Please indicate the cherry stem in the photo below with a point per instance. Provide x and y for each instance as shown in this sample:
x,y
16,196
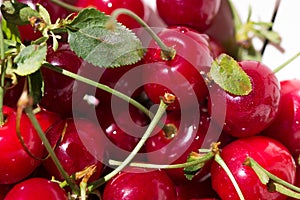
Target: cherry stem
x,y
100,86
280,67
221,162
160,112
271,27
208,156
66,5
48,147
168,53
265,176
2,70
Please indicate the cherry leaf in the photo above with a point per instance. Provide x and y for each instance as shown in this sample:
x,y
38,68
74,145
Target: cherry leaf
x,y
30,59
228,74
91,40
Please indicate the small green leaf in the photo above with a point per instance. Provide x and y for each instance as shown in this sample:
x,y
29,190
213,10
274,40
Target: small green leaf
x,y
43,13
30,59
10,31
193,170
36,86
90,39
227,73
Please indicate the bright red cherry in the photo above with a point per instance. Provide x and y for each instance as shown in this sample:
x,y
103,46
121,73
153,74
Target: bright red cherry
x,y
181,75
108,6
36,189
269,153
286,126
71,137
250,114
198,14
140,184
16,163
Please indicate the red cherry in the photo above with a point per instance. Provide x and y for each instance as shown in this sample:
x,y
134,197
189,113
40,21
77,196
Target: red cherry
x,y
36,189
249,114
71,137
198,14
60,90
181,75
286,126
269,153
16,164
108,6
140,184
46,118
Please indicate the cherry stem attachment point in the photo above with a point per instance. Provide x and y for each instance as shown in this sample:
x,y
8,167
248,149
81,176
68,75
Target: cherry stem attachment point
x,y
2,72
280,67
160,112
168,53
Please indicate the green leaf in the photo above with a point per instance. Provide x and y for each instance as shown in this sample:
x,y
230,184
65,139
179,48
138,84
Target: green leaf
x,y
17,13
10,31
36,86
193,170
30,59
227,73
90,39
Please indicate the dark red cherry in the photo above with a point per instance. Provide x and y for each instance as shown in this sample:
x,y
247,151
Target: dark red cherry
x,y
198,14
269,153
286,126
140,184
60,90
13,93
108,6
46,118
249,114
16,163
36,189
180,75
77,146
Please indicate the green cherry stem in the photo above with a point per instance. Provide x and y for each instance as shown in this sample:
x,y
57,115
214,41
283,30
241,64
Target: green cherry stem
x,y
208,156
100,86
283,65
221,162
66,5
160,112
168,53
48,147
266,177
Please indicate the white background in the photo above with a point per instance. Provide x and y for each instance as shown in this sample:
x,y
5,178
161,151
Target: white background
x,y
287,24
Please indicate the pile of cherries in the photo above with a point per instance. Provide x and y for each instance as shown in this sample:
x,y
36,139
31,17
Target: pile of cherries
x,y
88,127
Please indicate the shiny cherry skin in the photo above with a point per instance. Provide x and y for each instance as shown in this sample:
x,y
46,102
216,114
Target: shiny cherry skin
x,y
198,14
223,29
180,75
250,114
59,90
140,184
46,118
269,153
108,6
70,148
286,126
36,188
16,164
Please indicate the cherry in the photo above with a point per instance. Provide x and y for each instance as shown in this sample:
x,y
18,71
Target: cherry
x,y
108,6
196,14
140,184
269,153
36,188
70,137
124,128
180,75
16,164
60,90
286,128
46,118
223,29
250,114
12,94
